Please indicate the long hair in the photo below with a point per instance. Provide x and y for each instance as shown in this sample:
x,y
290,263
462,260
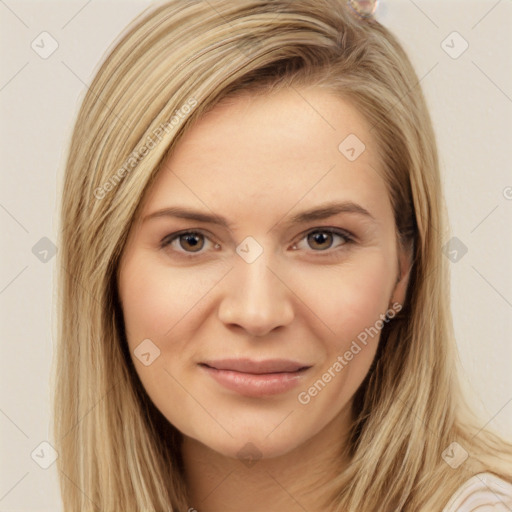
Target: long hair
x,y
175,63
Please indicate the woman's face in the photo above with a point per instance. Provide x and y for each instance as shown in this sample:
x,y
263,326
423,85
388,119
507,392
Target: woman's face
x,y
287,259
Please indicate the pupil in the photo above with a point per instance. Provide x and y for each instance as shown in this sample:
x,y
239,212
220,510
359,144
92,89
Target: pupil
x,y
192,240
321,238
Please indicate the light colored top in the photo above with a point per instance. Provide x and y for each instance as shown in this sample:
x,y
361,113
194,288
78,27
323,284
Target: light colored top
x,y
483,492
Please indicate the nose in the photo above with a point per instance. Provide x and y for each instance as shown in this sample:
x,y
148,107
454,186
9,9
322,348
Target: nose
x,y
256,298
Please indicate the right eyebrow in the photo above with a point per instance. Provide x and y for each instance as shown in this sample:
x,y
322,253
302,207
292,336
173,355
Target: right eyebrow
x,y
189,214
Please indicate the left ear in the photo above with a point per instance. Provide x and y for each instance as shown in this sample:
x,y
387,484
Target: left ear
x,y
405,258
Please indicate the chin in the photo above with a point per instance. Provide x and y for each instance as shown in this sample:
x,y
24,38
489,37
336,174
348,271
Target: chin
x,y
250,447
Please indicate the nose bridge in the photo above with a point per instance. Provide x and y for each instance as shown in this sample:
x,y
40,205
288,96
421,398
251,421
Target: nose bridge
x,y
257,278
255,298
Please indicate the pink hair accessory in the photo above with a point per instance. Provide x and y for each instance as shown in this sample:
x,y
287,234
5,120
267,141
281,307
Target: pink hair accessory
x,y
363,8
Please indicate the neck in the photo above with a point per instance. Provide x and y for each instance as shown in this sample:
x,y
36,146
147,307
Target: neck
x,y
295,481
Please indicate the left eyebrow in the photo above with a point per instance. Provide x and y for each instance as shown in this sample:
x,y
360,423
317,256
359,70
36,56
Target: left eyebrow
x,y
329,210
313,214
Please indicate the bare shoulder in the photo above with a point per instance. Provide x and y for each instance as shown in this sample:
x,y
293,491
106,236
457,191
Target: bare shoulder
x,y
481,493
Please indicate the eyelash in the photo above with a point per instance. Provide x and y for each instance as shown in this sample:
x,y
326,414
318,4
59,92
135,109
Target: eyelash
x,y
347,239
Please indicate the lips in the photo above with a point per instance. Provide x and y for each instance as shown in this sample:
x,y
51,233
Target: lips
x,y
255,379
257,367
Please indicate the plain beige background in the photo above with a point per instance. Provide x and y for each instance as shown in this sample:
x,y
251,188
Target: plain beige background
x,y
469,91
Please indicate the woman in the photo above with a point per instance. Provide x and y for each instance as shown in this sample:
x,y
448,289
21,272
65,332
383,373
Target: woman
x,y
254,310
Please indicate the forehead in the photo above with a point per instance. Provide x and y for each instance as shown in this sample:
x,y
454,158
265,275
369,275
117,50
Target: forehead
x,y
259,153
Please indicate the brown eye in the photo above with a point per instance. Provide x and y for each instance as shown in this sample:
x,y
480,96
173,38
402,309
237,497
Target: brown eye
x,y
188,244
321,239
191,242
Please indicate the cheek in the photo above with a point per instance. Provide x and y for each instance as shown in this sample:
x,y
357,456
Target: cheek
x,y
155,298
351,302
350,297
363,300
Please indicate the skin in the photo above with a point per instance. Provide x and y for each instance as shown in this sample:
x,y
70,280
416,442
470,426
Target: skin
x,y
257,161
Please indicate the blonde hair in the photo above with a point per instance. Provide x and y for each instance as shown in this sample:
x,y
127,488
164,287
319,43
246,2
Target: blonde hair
x,y
116,450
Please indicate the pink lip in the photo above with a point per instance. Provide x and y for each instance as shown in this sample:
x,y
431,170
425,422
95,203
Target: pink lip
x,y
256,378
